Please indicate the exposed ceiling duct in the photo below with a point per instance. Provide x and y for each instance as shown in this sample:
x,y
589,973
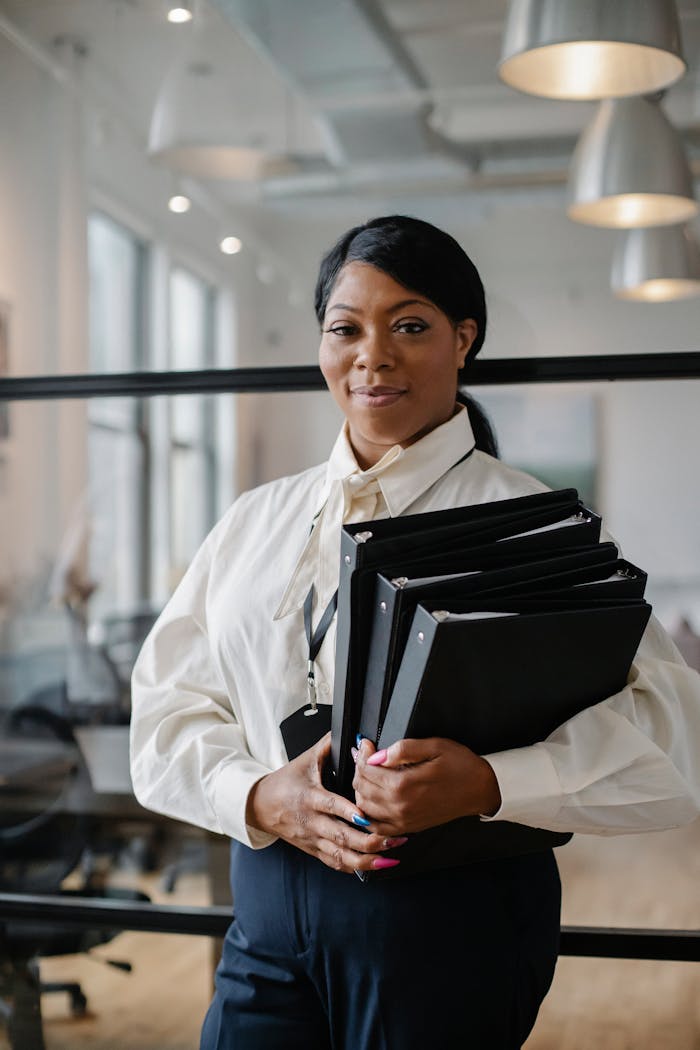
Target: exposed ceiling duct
x,y
375,108
334,51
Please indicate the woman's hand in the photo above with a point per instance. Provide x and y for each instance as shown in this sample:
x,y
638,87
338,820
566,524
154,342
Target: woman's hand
x,y
416,784
293,804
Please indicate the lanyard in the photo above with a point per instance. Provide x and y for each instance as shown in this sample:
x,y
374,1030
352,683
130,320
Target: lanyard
x,y
315,641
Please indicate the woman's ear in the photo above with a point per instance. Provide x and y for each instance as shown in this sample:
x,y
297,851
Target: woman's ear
x,y
465,334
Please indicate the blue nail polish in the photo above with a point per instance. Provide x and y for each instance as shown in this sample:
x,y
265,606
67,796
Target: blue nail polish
x,y
361,822
358,739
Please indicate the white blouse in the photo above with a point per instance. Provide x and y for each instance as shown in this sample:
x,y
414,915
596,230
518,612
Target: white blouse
x,y
226,661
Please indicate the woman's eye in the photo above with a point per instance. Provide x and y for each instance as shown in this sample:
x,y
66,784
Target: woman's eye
x,y
342,329
411,327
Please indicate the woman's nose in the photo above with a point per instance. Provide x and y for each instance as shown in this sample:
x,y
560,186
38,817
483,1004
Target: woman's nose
x,y
374,351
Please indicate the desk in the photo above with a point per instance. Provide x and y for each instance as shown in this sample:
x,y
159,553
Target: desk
x,y
107,793
25,762
106,753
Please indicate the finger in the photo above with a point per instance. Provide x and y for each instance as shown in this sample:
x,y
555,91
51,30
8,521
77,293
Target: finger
x,y
405,752
313,761
349,861
388,821
330,804
383,810
381,778
390,781
364,748
321,751
341,836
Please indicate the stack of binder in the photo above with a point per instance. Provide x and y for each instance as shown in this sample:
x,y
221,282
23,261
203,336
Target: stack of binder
x,y
490,625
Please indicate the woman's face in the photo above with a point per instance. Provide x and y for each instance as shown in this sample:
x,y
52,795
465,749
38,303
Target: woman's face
x,y
390,358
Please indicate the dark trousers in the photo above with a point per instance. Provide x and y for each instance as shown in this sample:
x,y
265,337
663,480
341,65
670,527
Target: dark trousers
x,y
316,960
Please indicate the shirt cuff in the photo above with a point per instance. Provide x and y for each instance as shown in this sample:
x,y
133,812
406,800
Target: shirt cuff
x,y
233,785
530,789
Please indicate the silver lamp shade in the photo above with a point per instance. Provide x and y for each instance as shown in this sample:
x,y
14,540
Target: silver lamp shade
x,y
656,265
194,132
591,49
629,169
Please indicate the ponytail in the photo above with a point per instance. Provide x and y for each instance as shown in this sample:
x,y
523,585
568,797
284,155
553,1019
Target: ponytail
x,y
484,433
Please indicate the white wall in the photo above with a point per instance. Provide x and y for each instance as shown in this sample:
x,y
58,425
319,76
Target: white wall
x,y
41,272
651,487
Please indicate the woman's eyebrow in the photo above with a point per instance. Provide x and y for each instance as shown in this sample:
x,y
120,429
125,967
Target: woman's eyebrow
x,y
410,302
389,309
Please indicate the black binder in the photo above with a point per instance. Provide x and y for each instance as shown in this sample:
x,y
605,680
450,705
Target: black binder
x,y
563,655
396,599
455,680
369,546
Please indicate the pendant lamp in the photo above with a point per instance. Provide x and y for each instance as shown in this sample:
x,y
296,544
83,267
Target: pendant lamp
x,y
629,169
591,49
194,131
657,264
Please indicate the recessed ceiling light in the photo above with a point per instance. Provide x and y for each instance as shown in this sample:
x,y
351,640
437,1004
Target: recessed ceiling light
x,y
230,245
180,13
179,203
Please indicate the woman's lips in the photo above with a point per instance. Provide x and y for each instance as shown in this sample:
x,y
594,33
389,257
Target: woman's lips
x,y
377,396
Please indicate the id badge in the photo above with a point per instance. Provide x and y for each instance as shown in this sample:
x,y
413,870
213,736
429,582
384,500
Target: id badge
x,y
305,728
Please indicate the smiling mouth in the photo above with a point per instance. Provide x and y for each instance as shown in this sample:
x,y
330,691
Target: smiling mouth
x,y
377,396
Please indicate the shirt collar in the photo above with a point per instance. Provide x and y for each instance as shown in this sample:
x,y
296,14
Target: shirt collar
x,y
404,474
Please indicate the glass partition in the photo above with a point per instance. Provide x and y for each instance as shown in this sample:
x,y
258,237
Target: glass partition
x,y
103,503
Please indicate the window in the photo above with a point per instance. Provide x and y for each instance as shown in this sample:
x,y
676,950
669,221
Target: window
x,y
192,421
116,512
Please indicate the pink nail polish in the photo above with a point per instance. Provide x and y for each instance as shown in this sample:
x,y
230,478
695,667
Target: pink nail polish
x,y
354,752
378,758
384,862
393,843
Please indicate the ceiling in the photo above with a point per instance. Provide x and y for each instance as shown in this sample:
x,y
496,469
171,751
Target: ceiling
x,y
355,94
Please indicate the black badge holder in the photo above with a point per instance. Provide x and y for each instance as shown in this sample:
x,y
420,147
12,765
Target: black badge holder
x,y
305,727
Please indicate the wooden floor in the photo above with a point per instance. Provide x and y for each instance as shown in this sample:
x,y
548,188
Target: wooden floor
x,y
651,880
609,1004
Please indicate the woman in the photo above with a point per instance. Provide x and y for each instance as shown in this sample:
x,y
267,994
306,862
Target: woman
x,y
315,958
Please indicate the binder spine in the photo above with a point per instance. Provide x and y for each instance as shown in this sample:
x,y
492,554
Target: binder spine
x,y
341,726
383,627
409,679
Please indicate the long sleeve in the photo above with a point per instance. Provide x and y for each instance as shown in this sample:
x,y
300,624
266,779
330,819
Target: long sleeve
x,y
189,756
628,764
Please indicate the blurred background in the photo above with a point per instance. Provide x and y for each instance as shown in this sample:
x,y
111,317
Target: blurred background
x,y
170,177
312,116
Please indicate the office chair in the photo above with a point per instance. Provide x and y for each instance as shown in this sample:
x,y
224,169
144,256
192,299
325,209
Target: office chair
x,y
121,636
41,843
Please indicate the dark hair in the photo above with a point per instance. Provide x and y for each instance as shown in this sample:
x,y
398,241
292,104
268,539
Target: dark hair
x,y
482,427
423,259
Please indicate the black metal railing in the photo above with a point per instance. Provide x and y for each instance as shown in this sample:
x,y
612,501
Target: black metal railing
x,y
92,913
296,378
